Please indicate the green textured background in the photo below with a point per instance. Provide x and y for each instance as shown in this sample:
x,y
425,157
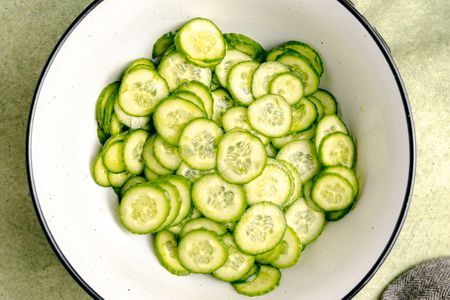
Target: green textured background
x,y
418,33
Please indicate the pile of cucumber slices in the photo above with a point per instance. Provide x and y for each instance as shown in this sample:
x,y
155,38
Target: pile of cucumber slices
x,y
231,155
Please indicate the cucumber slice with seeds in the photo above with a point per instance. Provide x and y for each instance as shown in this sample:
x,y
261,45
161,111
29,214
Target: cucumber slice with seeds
x,y
308,134
246,45
306,222
292,249
241,157
232,57
269,256
130,183
307,193
191,174
150,161
203,223
239,81
222,102
193,214
150,175
133,146
130,121
237,265
198,144
271,115
308,52
202,251
166,154
287,85
304,114
117,180
332,192
260,228
347,173
143,208
99,172
175,202
264,75
172,115
166,250
302,155
184,189
189,96
141,90
328,125
202,92
297,189
328,101
113,157
337,149
218,200
319,106
266,280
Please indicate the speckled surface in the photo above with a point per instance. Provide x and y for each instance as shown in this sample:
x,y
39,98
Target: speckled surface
x,y
418,33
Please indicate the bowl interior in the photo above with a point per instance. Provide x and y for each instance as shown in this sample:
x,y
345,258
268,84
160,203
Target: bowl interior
x,y
82,217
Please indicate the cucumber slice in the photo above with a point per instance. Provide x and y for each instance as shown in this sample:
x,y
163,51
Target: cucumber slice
x,y
237,265
308,200
166,250
308,52
107,92
274,53
303,68
109,108
198,144
113,157
150,175
273,185
237,117
99,172
292,249
201,40
215,84
304,114
308,134
130,183
266,280
141,90
175,69
241,157
337,149
117,180
138,62
328,125
264,75
260,228
193,214
334,216
166,154
297,189
116,126
202,92
271,115
270,256
175,202
332,192
239,81
191,174
189,96
102,136
172,115
347,173
287,85
143,208
218,200
133,146
222,102
319,106
328,101
150,161
232,57
271,151
202,251
306,222
246,45
162,44
203,223
302,155
184,189
130,121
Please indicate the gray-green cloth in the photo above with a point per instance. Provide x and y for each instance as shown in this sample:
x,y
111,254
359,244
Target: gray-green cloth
x,y
427,281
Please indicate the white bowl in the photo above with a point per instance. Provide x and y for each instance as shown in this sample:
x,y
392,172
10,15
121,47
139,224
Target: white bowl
x,y
80,218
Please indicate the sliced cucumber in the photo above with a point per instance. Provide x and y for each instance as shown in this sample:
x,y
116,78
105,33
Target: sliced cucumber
x,y
143,208
274,53
184,189
246,45
175,70
307,193
237,117
302,155
232,57
218,200
201,40
270,256
273,185
240,81
139,62
193,214
297,189
264,75
172,115
237,265
108,92
328,101
308,134
202,251
99,172
166,154
150,175
292,249
241,157
166,249
287,85
222,102
109,108
130,121
191,174
308,52
304,114
117,180
337,149
307,223
250,274
113,157
175,202
133,147
198,143
319,106
332,192
328,125
334,216
162,44
189,96
266,280
202,91
203,223
116,126
150,161
347,173
260,228
130,183
141,90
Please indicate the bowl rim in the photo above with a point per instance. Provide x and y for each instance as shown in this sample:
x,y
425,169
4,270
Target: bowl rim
x,y
383,47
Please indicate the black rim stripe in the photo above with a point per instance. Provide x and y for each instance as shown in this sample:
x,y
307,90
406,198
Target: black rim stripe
x,y
383,48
